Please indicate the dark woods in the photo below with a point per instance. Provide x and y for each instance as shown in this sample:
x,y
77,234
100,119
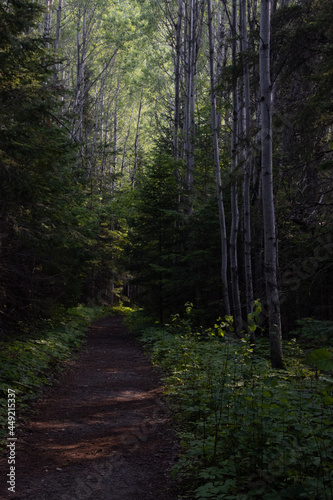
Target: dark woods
x,y
131,159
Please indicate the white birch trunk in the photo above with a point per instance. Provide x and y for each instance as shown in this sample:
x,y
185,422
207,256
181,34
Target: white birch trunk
x,y
47,21
126,140
247,163
177,80
223,231
136,144
234,189
190,106
57,41
270,237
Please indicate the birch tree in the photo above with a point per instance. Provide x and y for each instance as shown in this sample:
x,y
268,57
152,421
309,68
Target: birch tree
x,y
136,144
178,50
270,236
57,40
234,187
223,230
247,157
194,12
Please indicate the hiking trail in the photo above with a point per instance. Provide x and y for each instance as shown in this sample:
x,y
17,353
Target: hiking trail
x,y
103,432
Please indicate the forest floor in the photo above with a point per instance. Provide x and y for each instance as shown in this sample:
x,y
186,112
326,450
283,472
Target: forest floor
x,y
103,432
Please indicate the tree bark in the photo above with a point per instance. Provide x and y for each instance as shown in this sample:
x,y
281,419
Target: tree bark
x,y
177,81
126,140
223,230
190,104
234,189
247,158
270,237
136,144
47,21
57,41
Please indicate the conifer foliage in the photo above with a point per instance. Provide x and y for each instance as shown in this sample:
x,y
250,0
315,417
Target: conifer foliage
x,y
46,225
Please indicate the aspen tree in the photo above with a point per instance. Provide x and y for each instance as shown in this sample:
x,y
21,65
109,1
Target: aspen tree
x,y
136,144
47,21
194,12
57,39
190,100
177,79
234,186
223,230
247,159
270,236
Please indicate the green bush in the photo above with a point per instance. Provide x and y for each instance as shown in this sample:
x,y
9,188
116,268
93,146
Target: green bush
x,y
314,332
247,430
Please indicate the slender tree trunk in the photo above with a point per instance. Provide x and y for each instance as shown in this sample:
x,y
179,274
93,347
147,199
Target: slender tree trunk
x,y
57,41
247,162
98,107
79,93
177,80
221,45
223,231
47,21
270,237
105,135
82,74
234,188
136,144
126,140
190,103
115,135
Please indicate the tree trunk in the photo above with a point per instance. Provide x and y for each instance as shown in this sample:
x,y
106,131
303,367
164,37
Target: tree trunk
x,y
223,231
126,140
177,81
79,93
270,238
247,157
47,21
234,189
115,137
136,144
190,103
57,41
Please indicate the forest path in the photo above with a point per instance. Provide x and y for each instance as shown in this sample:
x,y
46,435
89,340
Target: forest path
x,y
103,433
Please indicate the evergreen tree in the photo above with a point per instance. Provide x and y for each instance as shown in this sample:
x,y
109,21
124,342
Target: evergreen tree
x,y
40,253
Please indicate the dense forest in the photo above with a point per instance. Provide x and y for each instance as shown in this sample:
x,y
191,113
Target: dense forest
x,y
167,152
176,156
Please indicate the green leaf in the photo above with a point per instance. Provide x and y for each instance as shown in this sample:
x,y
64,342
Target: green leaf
x,y
271,382
321,359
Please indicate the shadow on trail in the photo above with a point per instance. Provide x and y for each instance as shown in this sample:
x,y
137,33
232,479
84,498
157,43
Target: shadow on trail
x,y
103,433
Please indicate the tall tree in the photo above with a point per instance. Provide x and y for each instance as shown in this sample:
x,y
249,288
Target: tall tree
x,y
177,70
246,156
234,184
270,236
194,12
223,229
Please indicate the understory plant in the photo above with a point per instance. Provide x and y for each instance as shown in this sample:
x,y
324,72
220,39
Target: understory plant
x,y
247,430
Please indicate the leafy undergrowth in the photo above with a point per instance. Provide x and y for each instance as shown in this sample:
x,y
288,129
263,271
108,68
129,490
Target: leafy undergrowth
x,y
247,430
27,362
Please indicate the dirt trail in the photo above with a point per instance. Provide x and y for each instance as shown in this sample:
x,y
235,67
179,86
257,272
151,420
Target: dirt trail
x,y
103,433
